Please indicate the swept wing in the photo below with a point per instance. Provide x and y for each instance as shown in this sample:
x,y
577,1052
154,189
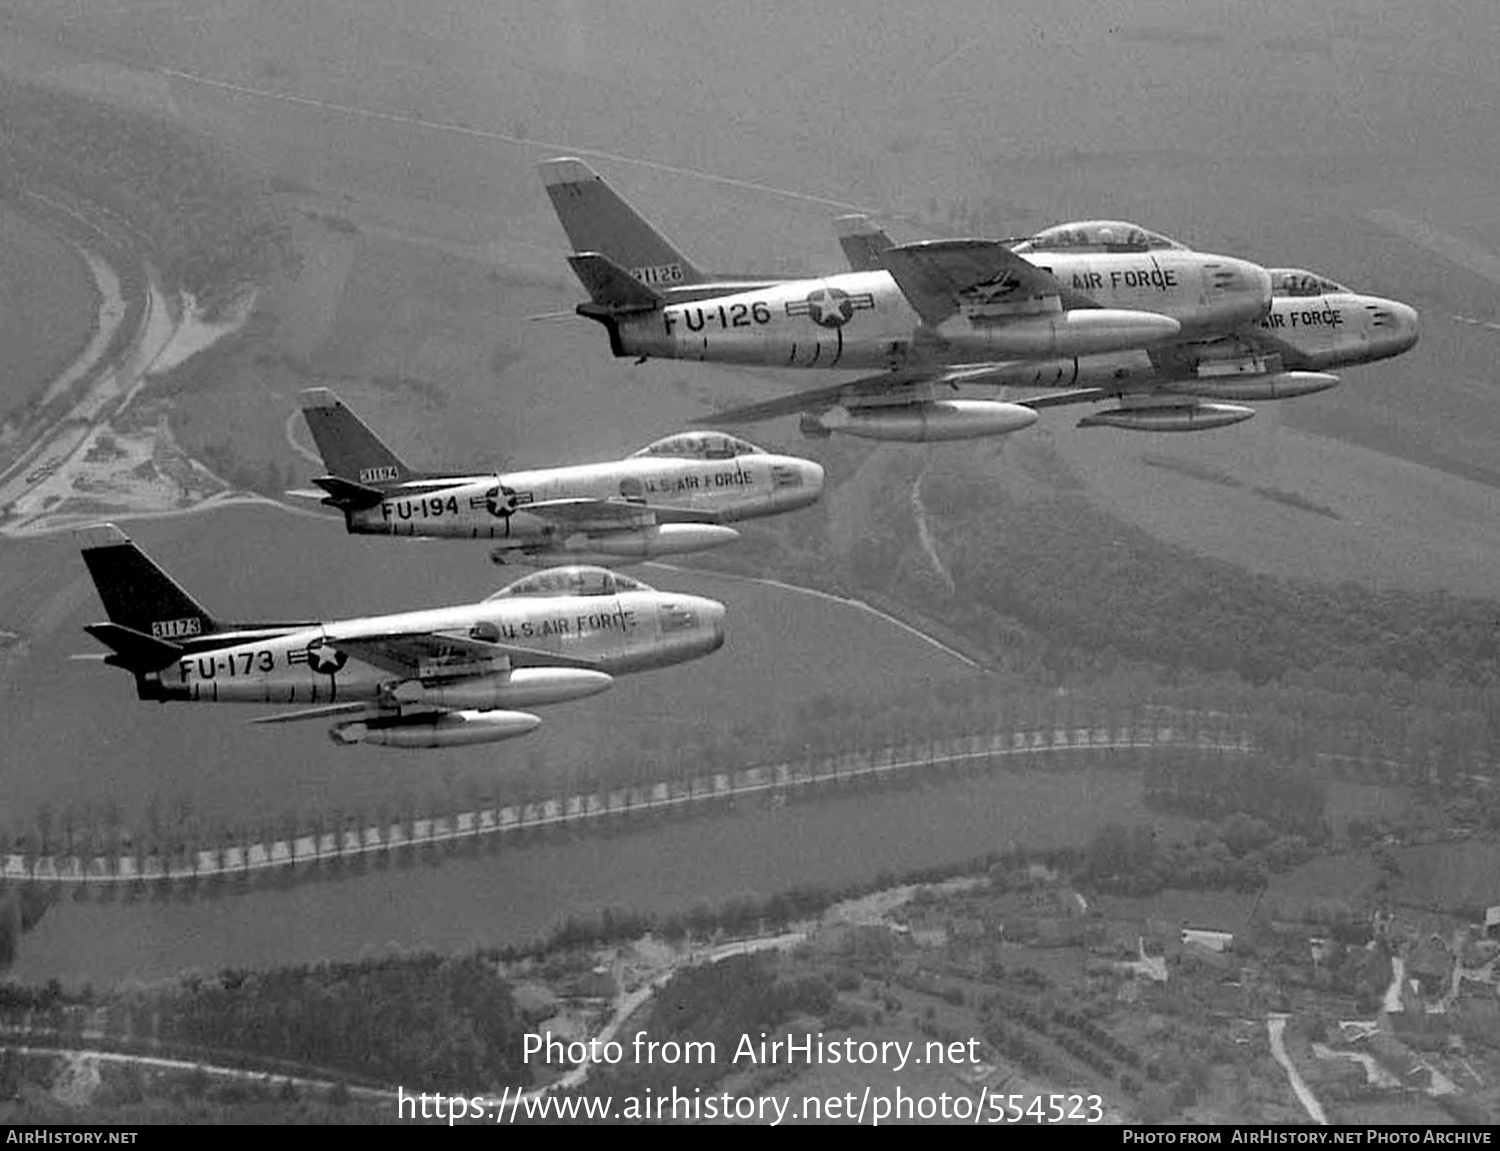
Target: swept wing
x,y
425,654
897,386
941,277
577,514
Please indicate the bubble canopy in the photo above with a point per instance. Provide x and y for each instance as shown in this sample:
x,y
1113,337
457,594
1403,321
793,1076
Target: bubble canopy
x,y
1098,236
575,579
701,446
1299,282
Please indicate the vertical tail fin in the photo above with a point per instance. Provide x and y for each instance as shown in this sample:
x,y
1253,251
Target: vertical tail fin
x,y
138,595
862,242
598,219
350,450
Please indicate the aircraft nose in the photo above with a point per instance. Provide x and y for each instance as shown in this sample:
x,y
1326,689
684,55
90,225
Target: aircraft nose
x,y
1408,323
713,612
812,478
1260,282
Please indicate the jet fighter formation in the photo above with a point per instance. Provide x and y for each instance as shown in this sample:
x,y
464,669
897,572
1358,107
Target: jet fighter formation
x,y
1098,311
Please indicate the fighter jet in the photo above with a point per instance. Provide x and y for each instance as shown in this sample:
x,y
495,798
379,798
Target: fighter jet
x,y
1314,324
672,497
443,677
935,313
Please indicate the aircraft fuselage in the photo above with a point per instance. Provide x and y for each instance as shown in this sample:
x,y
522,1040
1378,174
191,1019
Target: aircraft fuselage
x,y
862,320
494,507
1312,333
624,632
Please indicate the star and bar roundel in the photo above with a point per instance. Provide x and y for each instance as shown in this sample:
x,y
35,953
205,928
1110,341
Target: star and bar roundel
x,y
830,307
321,656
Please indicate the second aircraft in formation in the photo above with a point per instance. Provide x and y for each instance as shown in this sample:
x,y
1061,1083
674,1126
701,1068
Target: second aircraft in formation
x,y
670,498
1096,311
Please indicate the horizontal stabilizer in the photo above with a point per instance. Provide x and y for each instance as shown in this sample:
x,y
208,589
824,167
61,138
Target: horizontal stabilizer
x,y
611,287
133,650
347,495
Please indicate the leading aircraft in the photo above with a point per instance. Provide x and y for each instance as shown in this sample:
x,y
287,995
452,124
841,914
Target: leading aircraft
x,y
671,497
443,677
935,313
1313,325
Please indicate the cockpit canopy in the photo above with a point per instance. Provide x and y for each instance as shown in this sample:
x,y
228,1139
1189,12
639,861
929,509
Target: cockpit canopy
x,y
701,446
1296,282
575,579
1097,236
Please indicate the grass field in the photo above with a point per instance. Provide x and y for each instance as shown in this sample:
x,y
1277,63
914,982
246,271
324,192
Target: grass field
x,y
47,306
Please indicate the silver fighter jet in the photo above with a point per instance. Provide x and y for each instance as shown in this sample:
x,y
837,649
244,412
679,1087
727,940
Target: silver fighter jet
x,y
931,315
1313,325
443,677
672,497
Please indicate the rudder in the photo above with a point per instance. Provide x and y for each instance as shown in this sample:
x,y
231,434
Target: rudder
x,y
598,219
350,450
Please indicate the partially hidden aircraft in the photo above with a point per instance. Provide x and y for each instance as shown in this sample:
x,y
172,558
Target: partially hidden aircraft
x,y
933,314
442,677
1313,325
672,497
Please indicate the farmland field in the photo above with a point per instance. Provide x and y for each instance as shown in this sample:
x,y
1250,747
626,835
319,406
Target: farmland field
x,y
47,306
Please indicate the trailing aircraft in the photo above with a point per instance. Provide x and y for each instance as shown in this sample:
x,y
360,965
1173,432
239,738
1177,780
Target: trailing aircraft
x,y
671,497
443,677
934,314
1313,325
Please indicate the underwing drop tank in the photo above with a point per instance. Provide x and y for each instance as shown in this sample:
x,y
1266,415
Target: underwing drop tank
x,y
643,544
1265,386
520,687
451,729
924,422
1181,418
1079,332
